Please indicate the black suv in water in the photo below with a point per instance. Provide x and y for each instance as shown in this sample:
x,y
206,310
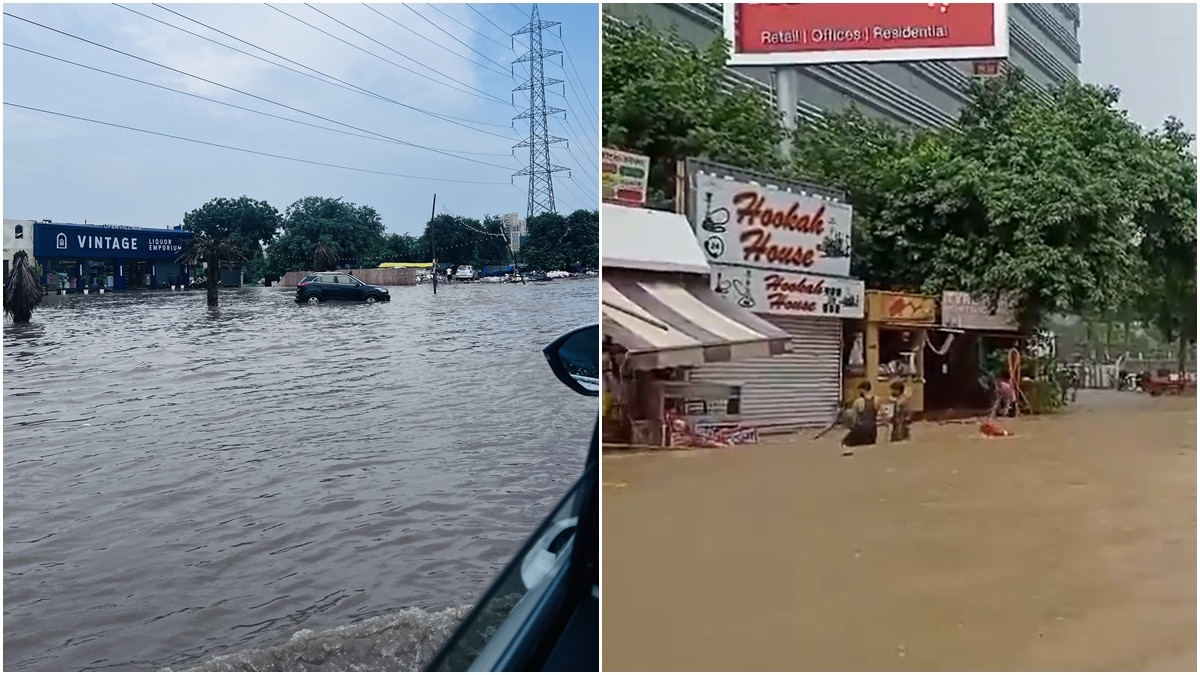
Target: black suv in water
x,y
325,286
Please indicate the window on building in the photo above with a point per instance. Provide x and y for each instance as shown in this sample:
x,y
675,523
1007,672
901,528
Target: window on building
x,y
19,232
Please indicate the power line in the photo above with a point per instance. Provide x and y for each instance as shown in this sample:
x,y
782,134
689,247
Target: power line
x,y
474,92
571,62
245,93
487,19
390,49
252,152
458,121
235,106
435,8
579,135
448,34
439,45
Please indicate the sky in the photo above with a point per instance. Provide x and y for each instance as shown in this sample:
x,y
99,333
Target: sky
x,y
68,170
1148,51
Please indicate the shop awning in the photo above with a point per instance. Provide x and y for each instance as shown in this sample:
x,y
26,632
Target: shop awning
x,y
679,322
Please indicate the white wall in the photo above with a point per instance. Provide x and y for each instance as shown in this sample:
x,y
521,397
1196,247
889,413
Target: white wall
x,y
12,244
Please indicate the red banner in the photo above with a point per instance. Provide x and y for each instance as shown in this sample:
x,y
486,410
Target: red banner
x,y
832,32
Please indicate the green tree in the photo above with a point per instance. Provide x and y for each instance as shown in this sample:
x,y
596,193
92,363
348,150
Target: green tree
x,y
666,99
349,231
556,242
226,231
1026,196
404,248
542,249
466,241
324,259
1166,232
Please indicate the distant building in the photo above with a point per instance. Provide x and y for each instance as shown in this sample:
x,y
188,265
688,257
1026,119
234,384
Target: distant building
x,y
514,229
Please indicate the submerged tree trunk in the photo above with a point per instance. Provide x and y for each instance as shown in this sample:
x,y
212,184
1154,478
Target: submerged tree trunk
x,y
212,279
22,290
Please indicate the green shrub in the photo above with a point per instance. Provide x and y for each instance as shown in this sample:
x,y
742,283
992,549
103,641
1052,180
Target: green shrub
x,y
1044,397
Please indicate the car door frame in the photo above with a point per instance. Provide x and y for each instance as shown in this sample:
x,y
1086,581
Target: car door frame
x,y
536,631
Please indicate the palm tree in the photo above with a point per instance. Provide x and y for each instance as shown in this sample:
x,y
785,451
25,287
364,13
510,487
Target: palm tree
x,y
324,259
22,292
212,252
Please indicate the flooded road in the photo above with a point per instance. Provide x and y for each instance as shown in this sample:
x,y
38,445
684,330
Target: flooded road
x,y
181,483
1071,546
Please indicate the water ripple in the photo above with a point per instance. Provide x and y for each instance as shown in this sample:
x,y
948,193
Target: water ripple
x,y
184,483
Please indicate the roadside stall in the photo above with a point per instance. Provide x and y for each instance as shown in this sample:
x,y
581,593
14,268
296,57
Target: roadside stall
x,y
889,345
660,322
956,361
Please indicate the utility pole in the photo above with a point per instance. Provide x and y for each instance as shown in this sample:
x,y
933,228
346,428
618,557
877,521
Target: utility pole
x,y
540,170
433,243
786,94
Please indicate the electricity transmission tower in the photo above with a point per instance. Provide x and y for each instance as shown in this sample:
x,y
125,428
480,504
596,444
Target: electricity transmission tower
x,y
540,170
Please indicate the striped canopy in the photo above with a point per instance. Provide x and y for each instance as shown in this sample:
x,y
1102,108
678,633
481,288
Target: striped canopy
x,y
673,321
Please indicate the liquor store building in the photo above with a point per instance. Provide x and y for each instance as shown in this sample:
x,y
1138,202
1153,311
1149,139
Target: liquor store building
x,y
75,257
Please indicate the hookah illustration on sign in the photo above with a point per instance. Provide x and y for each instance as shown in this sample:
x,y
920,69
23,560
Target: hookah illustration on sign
x,y
723,286
714,221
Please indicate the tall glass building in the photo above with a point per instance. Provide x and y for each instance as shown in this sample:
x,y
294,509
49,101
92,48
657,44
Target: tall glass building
x,y
1043,38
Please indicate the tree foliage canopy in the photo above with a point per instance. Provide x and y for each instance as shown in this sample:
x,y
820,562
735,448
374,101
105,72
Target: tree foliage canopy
x,y
557,242
1041,198
229,230
668,100
465,241
347,230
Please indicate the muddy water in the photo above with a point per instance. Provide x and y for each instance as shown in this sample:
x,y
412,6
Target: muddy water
x,y
181,484
1071,546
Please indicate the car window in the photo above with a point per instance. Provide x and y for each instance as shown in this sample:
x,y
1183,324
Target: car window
x,y
515,592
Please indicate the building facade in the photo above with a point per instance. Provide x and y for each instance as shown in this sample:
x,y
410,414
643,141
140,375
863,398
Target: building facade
x,y
74,257
18,236
1043,37
514,229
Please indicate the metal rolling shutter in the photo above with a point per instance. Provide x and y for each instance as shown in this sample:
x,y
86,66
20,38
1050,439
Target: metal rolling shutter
x,y
800,389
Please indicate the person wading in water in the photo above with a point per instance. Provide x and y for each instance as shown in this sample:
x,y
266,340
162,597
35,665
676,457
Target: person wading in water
x,y
864,425
901,413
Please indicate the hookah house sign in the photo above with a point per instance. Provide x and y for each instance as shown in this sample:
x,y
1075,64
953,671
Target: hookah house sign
x,y
755,226
777,252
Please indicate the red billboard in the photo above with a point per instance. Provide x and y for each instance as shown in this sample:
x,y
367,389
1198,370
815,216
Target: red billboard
x,y
815,33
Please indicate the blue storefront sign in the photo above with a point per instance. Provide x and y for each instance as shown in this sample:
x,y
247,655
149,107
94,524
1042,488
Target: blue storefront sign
x,y
60,240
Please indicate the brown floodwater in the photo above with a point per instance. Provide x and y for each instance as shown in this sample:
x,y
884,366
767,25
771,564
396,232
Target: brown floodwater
x,y
1070,546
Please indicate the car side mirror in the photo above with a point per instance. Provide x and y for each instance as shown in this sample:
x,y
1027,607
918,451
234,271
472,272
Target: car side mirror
x,y
574,357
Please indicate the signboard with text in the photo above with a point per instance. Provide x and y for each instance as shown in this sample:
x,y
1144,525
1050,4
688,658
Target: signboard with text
x,y
54,240
789,293
960,310
805,33
902,308
623,177
746,224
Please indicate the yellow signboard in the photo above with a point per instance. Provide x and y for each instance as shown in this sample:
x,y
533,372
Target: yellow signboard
x,y
890,307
